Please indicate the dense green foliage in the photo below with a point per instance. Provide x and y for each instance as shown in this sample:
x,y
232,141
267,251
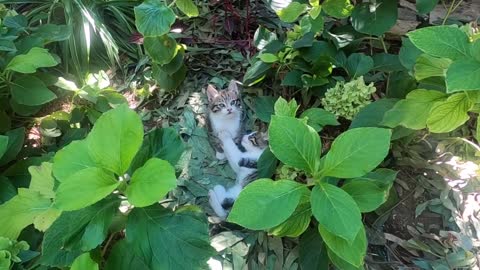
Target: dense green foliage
x,y
104,161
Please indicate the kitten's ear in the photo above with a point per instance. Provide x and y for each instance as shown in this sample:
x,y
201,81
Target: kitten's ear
x,y
232,86
265,136
211,92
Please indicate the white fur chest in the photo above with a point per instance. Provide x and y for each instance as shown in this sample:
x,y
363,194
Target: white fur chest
x,y
223,123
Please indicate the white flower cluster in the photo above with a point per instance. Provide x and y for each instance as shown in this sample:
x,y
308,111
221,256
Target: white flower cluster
x,y
346,99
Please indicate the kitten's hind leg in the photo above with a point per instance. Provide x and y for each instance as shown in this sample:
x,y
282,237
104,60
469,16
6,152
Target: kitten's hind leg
x,y
216,197
220,156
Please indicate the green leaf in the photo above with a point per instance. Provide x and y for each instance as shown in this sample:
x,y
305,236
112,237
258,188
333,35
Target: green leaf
x,y
17,22
187,7
426,6
84,262
15,143
31,91
359,64
342,264
285,108
42,179
448,115
313,252
121,258
268,58
293,78
176,63
267,164
84,188
372,114
3,145
375,18
336,211
52,32
21,211
151,182
441,41
153,18
298,222
291,12
428,66
168,81
262,37
408,54
162,143
356,152
318,118
115,139
162,49
255,73
413,111
253,208
387,62
264,108
8,191
71,159
459,76
383,178
184,238
75,232
29,62
294,143
366,194
337,8
353,253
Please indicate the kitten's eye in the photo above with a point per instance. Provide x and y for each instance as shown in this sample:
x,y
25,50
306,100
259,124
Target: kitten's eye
x,y
253,141
233,102
221,105
237,101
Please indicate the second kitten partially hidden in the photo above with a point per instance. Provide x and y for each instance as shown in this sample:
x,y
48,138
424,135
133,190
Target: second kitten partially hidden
x,y
225,114
243,163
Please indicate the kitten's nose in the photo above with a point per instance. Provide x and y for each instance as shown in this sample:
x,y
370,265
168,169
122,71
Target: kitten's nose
x,y
229,110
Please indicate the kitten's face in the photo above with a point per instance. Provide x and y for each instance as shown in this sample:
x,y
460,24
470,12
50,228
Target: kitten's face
x,y
255,141
226,103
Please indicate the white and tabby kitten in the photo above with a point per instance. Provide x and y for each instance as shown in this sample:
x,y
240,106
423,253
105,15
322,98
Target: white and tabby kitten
x,y
244,163
225,113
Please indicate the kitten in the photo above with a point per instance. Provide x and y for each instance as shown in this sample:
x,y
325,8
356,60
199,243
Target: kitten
x,y
243,163
225,113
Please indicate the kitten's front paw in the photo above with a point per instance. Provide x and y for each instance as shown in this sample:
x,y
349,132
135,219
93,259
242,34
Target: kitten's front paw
x,y
220,156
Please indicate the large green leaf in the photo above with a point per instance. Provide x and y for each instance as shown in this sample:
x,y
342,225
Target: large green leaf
x,y
313,252
294,143
441,41
3,145
318,118
425,6
84,188
187,7
284,108
29,62
75,232
264,108
153,18
151,182
31,91
121,258
84,262
256,73
163,239
262,37
353,252
340,263
336,211
337,8
413,111
162,143
162,49
298,222
428,66
291,12
450,114
459,76
408,54
115,139
359,64
21,211
253,208
267,164
71,159
15,143
372,114
356,152
168,81
52,32
375,18
366,194
387,62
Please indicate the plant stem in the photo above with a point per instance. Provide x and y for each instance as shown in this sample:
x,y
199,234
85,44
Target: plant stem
x,y
451,9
